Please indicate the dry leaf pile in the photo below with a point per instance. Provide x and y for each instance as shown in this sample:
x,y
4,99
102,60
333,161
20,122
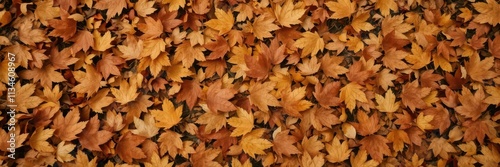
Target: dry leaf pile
x,y
249,82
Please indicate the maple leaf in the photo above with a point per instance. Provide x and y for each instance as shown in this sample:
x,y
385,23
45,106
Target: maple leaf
x,y
218,98
331,66
307,160
260,96
127,149
66,128
170,142
418,58
367,125
287,15
82,160
398,138
283,144
490,157
145,128
360,22
309,66
486,10
337,152
157,161
341,8
223,23
213,121
393,59
310,43
275,52
83,41
312,146
108,65
126,93
144,7
113,7
263,25
495,95
441,147
30,35
64,28
151,28
376,146
27,101
384,78
219,48
153,48
100,100
472,104
45,10
479,129
412,96
91,137
258,66
351,93
324,94
190,92
441,118
63,152
46,75
170,115
387,103
102,43
38,140
292,102
385,6
480,70
360,159
174,4
187,54
252,143
205,157
423,121
243,123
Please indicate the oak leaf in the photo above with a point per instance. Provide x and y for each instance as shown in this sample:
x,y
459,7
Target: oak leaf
x,y
170,115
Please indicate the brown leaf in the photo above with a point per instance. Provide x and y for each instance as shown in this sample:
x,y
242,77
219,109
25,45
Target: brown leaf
x,y
91,137
127,147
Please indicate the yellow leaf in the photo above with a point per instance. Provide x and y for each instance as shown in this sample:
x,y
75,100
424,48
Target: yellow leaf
x,y
385,6
309,66
418,58
174,4
187,54
478,69
102,43
236,163
263,25
469,148
310,43
25,100
385,78
495,95
348,130
440,61
398,138
63,152
287,15
177,71
126,93
223,23
359,22
38,140
252,144
387,104
170,115
307,160
490,157
45,11
341,8
243,123
100,100
423,122
352,92
359,160
261,97
212,120
144,7
156,161
292,102
145,126
337,152
488,12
